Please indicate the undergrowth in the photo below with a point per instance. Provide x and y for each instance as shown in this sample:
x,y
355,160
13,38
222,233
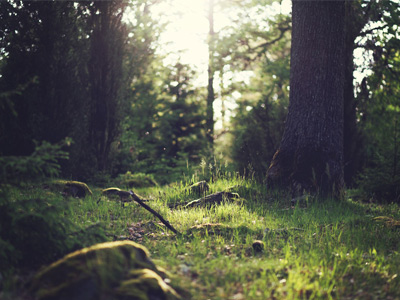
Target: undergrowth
x,y
314,250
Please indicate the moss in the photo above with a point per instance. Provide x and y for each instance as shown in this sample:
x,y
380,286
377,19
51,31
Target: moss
x,y
98,272
145,284
71,188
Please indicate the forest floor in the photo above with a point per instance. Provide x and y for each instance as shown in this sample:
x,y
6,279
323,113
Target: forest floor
x,y
312,250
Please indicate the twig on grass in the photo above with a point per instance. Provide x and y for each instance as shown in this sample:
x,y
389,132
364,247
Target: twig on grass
x,y
141,203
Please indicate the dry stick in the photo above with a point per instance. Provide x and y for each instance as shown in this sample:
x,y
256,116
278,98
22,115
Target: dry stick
x,y
140,201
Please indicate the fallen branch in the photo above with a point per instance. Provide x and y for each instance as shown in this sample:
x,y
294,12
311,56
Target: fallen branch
x,y
141,203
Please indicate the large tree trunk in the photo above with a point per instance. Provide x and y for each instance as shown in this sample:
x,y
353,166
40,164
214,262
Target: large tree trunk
x,y
310,157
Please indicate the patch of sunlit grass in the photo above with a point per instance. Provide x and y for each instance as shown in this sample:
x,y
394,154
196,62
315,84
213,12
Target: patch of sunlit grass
x,y
320,250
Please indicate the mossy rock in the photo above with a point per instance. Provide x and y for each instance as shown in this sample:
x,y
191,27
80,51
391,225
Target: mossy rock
x,y
258,246
112,271
71,188
116,192
144,284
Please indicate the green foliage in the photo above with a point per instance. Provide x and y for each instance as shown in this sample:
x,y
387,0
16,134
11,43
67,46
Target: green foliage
x,y
321,249
378,183
379,110
259,122
258,134
34,229
54,57
164,127
42,63
262,49
43,162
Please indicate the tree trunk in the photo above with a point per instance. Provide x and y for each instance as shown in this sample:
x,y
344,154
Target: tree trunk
x,y
210,88
105,71
310,157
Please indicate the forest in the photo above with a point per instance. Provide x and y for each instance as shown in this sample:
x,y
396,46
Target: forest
x,y
265,167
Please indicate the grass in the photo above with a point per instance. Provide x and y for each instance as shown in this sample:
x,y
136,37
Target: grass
x,y
318,250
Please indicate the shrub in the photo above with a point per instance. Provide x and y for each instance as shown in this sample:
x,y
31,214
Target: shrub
x,y
34,231
379,184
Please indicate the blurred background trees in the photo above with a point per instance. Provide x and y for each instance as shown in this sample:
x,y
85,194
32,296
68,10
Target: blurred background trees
x,y
96,72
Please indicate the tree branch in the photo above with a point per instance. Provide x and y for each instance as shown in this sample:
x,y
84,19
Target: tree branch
x,y
364,33
269,43
141,203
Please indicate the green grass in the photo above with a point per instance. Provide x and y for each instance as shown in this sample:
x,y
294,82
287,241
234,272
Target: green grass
x,y
328,250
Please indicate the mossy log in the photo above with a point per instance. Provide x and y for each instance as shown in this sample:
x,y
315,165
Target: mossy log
x,y
113,270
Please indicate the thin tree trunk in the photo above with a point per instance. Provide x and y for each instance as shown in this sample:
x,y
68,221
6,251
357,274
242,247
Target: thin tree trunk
x,y
211,71
310,157
105,70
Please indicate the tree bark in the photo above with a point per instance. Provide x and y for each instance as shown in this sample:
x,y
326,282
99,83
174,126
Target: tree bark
x,y
106,72
310,157
211,71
